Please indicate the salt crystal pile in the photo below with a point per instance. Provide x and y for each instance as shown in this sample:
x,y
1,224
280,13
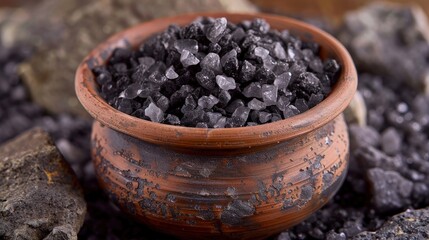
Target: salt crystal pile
x,y
216,74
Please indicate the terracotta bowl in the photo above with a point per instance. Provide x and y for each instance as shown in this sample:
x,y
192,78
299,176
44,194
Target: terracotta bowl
x,y
246,183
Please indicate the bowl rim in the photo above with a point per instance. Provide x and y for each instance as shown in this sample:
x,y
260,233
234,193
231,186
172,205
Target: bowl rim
x,y
220,138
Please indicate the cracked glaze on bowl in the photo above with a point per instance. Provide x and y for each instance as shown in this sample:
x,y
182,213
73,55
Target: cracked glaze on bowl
x,y
246,183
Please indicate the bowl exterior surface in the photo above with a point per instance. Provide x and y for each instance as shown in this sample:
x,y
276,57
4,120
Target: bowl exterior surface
x,y
244,193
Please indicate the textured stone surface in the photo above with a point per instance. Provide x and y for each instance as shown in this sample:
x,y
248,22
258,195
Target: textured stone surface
x,y
39,193
411,224
81,25
390,40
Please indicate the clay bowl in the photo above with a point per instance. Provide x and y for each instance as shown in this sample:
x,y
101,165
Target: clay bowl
x,y
246,183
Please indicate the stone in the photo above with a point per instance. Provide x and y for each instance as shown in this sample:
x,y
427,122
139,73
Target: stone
x,y
225,83
363,136
49,73
371,36
40,194
390,191
269,94
211,61
216,29
188,59
391,141
170,73
370,157
411,224
154,113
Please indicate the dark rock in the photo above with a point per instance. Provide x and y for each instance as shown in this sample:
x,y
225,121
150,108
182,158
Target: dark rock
x,y
370,36
391,141
390,190
411,224
40,195
370,157
363,136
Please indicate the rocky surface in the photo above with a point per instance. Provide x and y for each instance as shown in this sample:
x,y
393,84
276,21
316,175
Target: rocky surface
x,y
411,224
380,36
40,195
49,73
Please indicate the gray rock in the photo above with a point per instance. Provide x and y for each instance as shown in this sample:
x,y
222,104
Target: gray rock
x,y
390,40
391,141
363,136
390,191
40,196
81,25
370,157
411,224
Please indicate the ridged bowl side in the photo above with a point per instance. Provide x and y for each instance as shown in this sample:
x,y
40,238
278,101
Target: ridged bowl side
x,y
245,193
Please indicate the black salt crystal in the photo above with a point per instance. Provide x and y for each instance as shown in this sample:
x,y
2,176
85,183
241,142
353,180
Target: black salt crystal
x,y
331,66
255,104
224,98
264,75
216,29
207,102
278,51
260,25
120,67
276,117
282,102
132,91
193,31
290,111
154,113
211,61
188,59
172,119
316,65
247,71
234,105
264,117
250,40
269,94
148,89
120,55
225,82
190,104
301,105
124,105
212,118
315,99
201,125
238,34
282,80
179,96
163,103
253,90
220,123
170,73
214,48
190,45
229,62
240,115
308,82
206,78
191,118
